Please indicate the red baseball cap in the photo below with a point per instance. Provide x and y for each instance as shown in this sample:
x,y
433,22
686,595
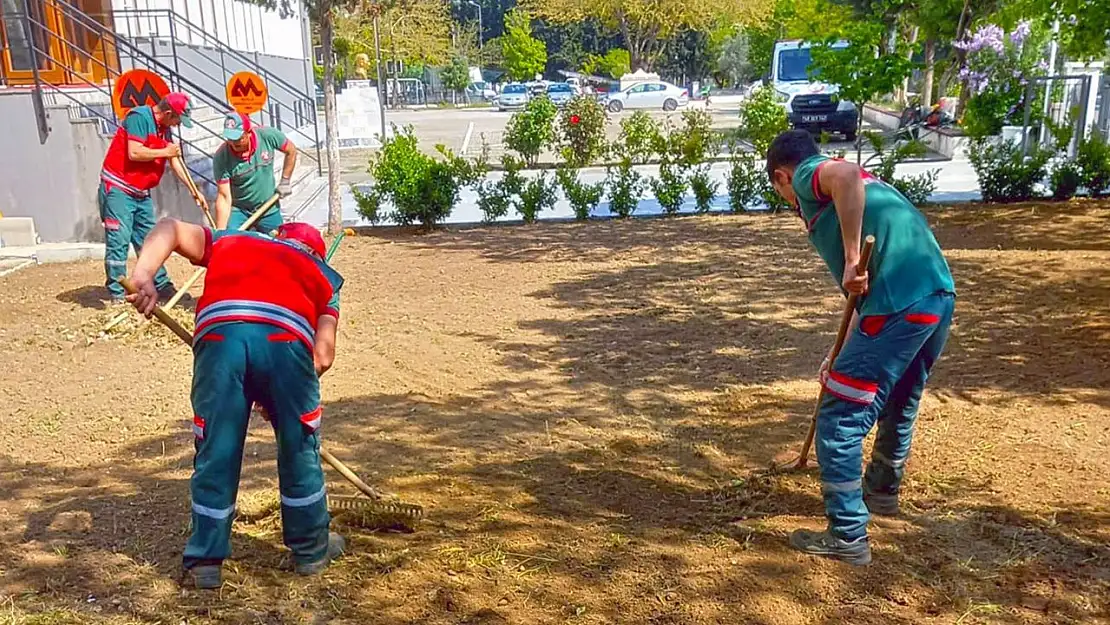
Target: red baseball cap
x,y
179,103
304,234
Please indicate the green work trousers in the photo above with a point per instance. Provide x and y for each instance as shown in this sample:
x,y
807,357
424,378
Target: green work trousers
x,y
236,364
127,222
266,225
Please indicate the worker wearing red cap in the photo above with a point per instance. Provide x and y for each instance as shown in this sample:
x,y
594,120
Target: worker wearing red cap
x,y
244,170
134,165
265,332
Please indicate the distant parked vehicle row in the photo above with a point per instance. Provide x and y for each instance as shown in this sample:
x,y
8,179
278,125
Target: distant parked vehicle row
x,y
646,95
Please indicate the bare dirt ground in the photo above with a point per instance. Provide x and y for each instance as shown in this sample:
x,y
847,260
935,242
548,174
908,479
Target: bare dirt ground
x,y
585,410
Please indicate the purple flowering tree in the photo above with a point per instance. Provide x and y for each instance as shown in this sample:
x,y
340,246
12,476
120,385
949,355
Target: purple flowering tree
x,y
997,69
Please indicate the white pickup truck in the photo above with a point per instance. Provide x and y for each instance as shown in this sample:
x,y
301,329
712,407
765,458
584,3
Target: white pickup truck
x,y
810,104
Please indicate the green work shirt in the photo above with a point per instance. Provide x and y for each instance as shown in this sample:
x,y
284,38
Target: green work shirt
x,y
906,261
251,175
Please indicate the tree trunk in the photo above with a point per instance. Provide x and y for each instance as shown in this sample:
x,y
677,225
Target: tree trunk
x,y
930,70
905,96
961,56
331,118
396,78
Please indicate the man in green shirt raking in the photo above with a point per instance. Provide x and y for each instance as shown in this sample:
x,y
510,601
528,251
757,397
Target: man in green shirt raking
x,y
244,170
898,331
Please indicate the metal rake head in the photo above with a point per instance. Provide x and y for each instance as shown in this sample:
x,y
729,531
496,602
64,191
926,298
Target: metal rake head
x,y
363,504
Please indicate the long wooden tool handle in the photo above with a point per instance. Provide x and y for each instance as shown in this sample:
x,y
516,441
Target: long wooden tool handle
x,y
841,337
162,315
195,191
256,215
368,490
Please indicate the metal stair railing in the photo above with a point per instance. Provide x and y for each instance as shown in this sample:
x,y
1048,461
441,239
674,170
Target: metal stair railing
x,y
108,122
152,63
176,24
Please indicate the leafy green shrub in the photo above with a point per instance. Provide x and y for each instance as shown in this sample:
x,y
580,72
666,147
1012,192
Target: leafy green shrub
x,y
692,142
1005,175
1066,178
531,130
762,119
669,187
746,182
705,189
1093,159
540,194
421,188
495,199
916,188
582,131
583,197
640,134
625,187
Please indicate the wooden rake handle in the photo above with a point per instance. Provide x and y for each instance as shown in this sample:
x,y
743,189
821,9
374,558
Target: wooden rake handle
x,y
366,489
162,315
195,191
841,337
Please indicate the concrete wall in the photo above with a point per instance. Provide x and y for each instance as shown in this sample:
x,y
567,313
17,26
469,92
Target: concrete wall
x,y
55,183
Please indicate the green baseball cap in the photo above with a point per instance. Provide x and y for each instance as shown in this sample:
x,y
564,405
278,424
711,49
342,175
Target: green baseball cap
x,y
235,125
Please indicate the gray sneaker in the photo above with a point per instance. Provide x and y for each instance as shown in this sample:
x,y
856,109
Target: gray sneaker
x,y
856,552
882,505
207,576
336,546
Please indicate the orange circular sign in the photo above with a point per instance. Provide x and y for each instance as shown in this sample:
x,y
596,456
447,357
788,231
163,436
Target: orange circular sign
x,y
246,93
137,87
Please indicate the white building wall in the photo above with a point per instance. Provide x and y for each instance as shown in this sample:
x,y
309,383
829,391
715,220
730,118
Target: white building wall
x,y
240,25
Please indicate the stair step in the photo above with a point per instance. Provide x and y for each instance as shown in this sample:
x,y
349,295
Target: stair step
x,y
18,232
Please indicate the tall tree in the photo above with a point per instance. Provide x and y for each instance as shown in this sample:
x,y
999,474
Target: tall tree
x,y
322,12
794,19
864,70
525,56
647,24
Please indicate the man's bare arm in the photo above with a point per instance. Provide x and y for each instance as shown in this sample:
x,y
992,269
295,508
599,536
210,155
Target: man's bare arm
x,y
323,354
842,182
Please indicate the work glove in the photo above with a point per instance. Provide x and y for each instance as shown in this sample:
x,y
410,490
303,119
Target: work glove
x,y
285,189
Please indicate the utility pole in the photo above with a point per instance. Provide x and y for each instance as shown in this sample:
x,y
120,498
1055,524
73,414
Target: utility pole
x,y
378,61
479,7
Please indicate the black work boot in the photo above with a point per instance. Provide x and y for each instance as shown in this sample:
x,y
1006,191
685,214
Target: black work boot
x,y
880,504
336,546
856,552
207,576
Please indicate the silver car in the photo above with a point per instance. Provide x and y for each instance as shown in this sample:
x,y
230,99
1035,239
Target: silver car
x,y
513,96
560,93
654,94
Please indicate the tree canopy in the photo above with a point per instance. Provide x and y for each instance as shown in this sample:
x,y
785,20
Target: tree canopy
x,y
525,56
647,24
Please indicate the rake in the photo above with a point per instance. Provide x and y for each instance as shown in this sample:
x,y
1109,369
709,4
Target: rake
x,y
841,335
379,503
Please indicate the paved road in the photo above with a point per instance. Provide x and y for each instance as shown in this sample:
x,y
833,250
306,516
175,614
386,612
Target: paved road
x,y
464,130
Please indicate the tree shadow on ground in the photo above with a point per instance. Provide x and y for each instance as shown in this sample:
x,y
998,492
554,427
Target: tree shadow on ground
x,y
94,297
695,307
596,510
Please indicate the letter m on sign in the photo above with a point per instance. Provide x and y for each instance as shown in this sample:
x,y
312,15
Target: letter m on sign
x,y
241,89
133,96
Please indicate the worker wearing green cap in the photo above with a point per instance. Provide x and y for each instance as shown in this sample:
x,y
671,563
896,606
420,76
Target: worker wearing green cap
x,y
244,171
